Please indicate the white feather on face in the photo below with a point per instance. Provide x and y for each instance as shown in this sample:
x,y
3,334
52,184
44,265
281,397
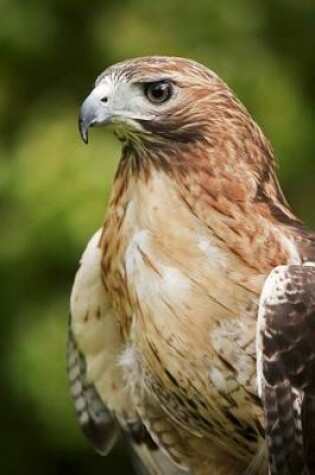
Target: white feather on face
x,y
126,100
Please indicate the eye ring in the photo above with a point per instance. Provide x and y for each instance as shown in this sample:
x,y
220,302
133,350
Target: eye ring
x,y
158,92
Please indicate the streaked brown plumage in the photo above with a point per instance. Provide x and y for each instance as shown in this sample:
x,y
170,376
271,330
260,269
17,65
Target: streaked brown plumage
x,y
164,307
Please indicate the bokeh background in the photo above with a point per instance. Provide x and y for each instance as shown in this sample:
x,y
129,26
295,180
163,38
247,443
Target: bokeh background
x,y
53,189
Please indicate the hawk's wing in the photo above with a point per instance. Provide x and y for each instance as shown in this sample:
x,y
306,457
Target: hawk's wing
x,y
286,368
100,397
95,419
93,345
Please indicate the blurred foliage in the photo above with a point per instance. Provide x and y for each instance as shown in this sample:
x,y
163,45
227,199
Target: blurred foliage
x,y
53,189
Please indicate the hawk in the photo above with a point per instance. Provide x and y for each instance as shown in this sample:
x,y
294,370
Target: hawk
x,y
192,327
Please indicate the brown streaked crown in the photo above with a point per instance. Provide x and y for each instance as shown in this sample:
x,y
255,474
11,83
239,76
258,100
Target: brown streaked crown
x,y
148,67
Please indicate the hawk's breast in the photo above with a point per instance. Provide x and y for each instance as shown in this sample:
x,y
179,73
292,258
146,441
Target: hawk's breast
x,y
185,305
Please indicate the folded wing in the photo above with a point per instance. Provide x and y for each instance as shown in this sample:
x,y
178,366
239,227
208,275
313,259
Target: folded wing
x,y
286,368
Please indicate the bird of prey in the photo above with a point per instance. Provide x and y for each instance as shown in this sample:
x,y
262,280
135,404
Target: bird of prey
x,y
192,328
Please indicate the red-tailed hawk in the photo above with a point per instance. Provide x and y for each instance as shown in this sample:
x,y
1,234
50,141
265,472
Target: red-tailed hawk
x,y
192,325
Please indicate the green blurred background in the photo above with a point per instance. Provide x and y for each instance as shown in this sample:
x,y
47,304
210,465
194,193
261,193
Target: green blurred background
x,y
54,189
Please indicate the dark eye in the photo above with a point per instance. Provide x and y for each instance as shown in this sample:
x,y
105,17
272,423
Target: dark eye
x,y
158,92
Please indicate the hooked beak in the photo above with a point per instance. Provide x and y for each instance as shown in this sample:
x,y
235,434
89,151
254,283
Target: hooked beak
x,y
94,111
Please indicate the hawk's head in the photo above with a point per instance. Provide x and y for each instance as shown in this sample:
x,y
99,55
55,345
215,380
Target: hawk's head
x,y
173,110
151,96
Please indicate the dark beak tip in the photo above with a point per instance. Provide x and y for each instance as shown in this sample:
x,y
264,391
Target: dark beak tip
x,y
85,138
83,129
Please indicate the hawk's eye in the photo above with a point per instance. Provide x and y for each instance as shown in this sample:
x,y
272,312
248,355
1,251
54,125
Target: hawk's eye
x,y
158,92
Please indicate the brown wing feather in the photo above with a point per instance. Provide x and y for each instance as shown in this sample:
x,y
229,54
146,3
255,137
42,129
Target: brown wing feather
x,y
286,368
95,419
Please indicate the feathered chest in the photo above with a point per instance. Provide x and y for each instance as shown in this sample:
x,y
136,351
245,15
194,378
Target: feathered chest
x,y
186,300
168,273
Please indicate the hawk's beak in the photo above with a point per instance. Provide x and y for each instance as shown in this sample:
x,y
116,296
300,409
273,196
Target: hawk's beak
x,y
94,111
